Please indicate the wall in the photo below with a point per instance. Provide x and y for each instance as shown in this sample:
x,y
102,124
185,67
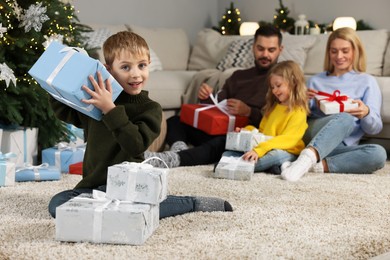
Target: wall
x,y
190,15
375,13
193,15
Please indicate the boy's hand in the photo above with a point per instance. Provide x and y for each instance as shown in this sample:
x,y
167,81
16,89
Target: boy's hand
x,y
102,96
204,91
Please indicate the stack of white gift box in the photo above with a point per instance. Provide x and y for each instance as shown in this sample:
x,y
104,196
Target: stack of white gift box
x,y
128,213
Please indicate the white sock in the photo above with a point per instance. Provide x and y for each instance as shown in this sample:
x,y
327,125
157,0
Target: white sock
x,y
285,165
300,166
172,159
318,168
178,146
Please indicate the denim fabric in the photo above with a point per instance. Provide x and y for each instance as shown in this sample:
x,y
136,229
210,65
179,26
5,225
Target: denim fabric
x,y
326,135
172,206
270,160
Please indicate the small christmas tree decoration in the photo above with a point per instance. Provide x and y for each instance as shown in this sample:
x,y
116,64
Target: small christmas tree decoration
x,y
26,29
282,20
231,21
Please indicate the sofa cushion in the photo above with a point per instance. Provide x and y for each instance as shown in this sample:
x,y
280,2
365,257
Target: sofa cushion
x,y
240,54
374,41
213,50
171,45
167,87
100,33
386,62
210,47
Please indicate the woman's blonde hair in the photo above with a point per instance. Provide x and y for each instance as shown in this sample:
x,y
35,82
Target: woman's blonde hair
x,y
124,41
292,73
359,57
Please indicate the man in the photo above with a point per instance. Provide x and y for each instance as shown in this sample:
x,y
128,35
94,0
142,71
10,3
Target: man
x,y
245,92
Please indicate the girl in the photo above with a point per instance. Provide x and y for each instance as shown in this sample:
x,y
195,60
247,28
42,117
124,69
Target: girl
x,y
284,118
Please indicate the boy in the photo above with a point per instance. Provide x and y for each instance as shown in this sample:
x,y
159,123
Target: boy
x,y
128,126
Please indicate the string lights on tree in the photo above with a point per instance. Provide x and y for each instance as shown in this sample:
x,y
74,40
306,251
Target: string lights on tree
x,y
230,22
26,28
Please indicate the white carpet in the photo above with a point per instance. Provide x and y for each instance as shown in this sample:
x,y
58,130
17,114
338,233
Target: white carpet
x,y
323,216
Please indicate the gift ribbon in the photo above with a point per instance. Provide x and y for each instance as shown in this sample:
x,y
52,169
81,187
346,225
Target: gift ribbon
x,y
37,175
334,97
222,106
100,196
70,51
159,175
6,156
63,146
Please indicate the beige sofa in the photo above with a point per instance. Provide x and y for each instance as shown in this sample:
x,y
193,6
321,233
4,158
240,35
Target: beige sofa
x,y
179,67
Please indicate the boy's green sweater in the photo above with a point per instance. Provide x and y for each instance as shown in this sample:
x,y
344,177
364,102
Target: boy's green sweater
x,y
123,134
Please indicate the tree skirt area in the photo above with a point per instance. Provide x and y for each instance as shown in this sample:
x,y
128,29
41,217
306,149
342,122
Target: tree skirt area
x,y
322,216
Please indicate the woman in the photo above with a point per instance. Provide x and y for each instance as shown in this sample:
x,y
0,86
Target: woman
x,y
333,141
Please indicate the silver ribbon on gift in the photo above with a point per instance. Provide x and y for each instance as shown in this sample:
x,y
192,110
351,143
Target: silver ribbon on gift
x,y
100,196
70,51
7,156
37,175
63,146
222,106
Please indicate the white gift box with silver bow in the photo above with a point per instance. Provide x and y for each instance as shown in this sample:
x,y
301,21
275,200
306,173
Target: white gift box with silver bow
x,y
23,142
244,140
63,70
137,182
234,168
97,219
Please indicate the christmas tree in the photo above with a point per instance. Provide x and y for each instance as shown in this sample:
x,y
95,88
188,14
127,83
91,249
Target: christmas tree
x,y
231,21
282,20
27,27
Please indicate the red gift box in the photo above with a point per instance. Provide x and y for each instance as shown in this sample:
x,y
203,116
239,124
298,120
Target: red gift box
x,y
76,168
210,119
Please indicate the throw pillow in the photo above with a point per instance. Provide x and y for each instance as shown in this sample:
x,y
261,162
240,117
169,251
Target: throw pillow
x,y
96,38
239,54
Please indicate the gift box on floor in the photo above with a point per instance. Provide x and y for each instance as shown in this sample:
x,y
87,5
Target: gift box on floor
x,y
234,168
62,71
99,220
63,155
7,170
210,118
76,168
42,172
334,103
23,142
244,140
137,182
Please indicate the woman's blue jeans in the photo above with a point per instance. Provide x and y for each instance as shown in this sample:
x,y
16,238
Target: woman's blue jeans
x,y
171,206
326,135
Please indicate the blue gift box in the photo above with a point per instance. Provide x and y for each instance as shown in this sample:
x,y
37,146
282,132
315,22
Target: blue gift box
x,y
62,71
7,170
42,172
62,158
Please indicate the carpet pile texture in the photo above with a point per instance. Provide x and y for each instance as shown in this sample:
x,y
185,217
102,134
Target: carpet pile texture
x,y
322,216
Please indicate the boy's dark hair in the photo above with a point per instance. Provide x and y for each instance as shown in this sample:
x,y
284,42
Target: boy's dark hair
x,y
269,30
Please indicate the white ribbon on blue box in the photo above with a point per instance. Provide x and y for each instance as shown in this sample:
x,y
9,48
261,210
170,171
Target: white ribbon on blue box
x,y
7,169
63,155
42,172
63,70
95,218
